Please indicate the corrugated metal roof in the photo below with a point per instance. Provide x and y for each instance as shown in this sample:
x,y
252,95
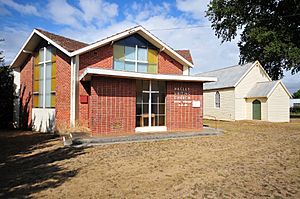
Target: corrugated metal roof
x,y
227,77
261,89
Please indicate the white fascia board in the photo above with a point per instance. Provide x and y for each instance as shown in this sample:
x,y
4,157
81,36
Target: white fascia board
x,y
44,37
246,73
103,42
53,43
127,33
22,48
166,47
135,75
284,88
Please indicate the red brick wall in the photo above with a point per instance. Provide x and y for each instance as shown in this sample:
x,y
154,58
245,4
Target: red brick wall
x,y
26,81
112,105
103,58
99,58
167,65
83,112
184,117
63,88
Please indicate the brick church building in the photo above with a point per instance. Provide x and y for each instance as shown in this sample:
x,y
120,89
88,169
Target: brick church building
x,y
126,83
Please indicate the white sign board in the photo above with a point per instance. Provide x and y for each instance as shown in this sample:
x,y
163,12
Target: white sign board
x,y
196,104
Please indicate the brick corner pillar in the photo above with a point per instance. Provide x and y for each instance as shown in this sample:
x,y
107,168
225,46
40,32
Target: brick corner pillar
x,y
181,115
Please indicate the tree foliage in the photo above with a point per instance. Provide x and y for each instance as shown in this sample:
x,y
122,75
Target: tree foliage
x,y
6,93
297,94
270,31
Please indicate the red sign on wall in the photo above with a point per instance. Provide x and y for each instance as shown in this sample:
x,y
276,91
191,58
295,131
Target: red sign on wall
x,y
84,99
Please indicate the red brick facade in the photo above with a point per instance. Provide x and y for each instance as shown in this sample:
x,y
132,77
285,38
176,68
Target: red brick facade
x,y
99,58
111,102
180,113
112,105
63,88
167,65
26,87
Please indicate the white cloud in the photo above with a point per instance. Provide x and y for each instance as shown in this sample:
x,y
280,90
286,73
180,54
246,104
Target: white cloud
x,y
89,13
61,12
24,9
98,10
14,37
193,8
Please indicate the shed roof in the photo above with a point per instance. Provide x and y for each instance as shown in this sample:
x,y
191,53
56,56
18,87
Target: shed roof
x,y
227,77
262,89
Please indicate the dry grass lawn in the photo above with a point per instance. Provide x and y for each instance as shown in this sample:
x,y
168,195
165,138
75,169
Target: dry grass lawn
x,y
251,160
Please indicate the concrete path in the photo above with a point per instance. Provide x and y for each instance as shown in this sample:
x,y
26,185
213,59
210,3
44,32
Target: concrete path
x,y
142,137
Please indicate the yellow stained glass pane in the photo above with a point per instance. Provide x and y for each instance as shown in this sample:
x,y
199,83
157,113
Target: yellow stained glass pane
x,y
36,86
36,74
152,68
119,52
152,56
53,50
36,100
53,70
53,100
53,84
36,59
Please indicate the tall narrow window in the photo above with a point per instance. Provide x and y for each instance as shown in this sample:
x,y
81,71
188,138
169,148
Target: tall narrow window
x,y
44,78
217,99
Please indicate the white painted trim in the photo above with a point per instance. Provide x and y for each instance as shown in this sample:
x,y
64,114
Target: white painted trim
x,y
150,129
22,48
246,73
135,75
74,89
279,82
127,33
52,42
44,37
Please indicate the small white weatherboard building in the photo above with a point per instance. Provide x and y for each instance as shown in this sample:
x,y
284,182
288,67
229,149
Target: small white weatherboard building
x,y
245,92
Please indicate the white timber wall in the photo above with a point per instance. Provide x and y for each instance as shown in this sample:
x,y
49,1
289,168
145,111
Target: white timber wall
x,y
256,74
264,108
279,105
226,110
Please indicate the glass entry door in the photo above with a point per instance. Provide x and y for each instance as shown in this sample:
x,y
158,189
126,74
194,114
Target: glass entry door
x,y
150,103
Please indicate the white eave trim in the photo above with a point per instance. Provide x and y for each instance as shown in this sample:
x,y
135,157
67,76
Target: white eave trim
x,y
284,88
134,75
125,34
246,73
44,37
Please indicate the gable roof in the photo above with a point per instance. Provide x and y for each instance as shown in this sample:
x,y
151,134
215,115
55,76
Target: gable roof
x,y
227,77
265,89
144,33
72,47
67,43
185,54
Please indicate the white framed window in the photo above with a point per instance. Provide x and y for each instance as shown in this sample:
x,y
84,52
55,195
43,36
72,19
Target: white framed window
x,y
217,100
44,78
135,59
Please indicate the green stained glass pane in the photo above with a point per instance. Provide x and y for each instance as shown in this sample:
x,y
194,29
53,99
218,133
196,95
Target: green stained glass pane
x,y
119,52
152,68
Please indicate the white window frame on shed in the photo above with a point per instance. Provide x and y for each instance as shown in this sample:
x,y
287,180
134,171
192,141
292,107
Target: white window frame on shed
x,y
217,100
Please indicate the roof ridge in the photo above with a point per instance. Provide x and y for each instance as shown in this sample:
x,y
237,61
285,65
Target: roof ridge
x,y
115,34
41,30
238,65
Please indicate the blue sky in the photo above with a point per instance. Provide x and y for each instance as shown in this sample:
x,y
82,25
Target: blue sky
x,y
91,20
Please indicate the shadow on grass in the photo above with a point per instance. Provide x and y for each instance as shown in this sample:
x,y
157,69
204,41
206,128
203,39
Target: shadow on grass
x,y
23,173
